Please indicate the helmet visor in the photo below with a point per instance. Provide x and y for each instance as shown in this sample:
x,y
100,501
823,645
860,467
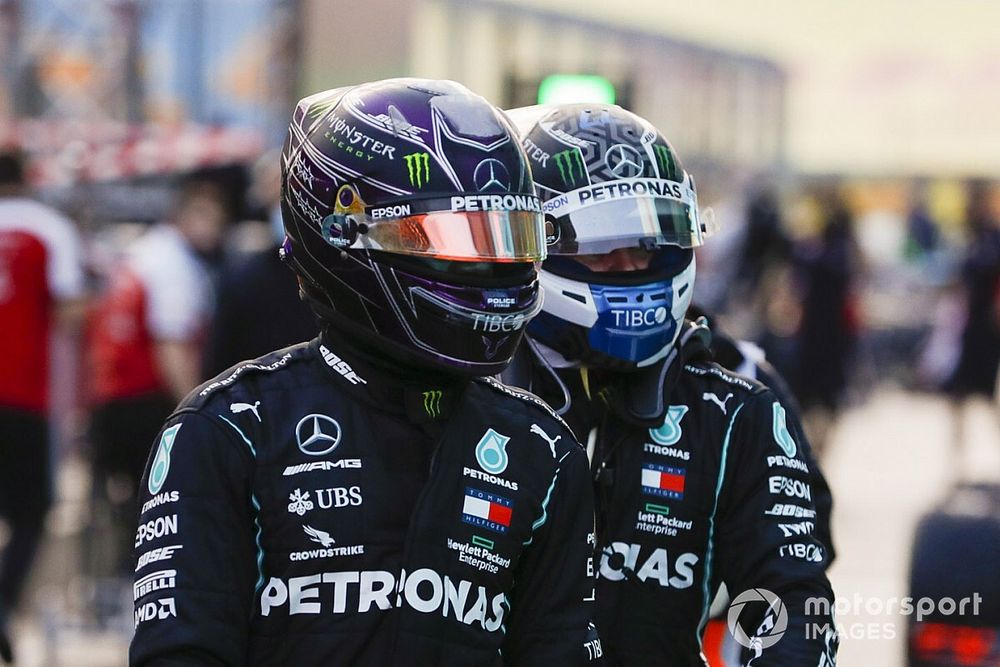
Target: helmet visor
x,y
628,213
471,231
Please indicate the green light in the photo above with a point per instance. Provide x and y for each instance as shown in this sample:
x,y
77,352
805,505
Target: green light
x,y
568,88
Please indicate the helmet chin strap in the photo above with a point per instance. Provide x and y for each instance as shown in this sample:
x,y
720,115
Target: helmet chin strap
x,y
639,397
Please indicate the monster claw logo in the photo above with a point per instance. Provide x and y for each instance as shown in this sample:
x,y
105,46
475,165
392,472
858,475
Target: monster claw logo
x,y
665,161
418,168
432,403
570,164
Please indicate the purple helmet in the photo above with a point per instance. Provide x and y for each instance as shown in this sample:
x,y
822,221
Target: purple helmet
x,y
410,214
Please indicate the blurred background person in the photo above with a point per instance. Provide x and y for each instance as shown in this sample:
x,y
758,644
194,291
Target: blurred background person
x,y
41,291
145,337
258,307
975,374
826,272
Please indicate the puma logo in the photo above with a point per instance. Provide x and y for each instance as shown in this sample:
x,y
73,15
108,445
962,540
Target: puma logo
x,y
237,408
537,430
709,396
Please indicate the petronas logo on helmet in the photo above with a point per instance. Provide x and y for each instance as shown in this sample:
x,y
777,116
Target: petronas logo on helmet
x,y
432,403
570,164
418,168
665,161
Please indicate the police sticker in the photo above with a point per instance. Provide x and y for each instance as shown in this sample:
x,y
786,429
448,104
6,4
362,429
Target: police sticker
x,y
161,462
781,434
670,432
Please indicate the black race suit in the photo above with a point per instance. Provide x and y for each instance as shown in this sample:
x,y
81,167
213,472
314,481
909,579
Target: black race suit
x,y
699,480
310,508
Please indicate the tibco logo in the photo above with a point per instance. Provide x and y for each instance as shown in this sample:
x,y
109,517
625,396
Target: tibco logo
x,y
640,318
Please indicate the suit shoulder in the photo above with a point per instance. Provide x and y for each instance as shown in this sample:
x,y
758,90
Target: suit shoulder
x,y
230,380
533,403
712,374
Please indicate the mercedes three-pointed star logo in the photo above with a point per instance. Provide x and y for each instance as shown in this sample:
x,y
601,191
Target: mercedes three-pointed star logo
x,y
317,434
624,161
491,174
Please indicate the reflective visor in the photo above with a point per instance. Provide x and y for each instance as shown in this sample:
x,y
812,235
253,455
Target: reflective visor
x,y
465,228
476,236
628,213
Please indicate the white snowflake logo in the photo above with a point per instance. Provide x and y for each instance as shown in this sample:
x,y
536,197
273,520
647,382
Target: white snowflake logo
x,y
300,502
311,211
302,171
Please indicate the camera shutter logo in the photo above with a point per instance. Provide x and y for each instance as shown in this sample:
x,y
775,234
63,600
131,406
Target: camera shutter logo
x,y
771,628
317,435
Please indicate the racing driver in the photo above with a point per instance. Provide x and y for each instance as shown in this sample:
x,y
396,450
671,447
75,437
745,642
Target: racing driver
x,y
373,497
699,473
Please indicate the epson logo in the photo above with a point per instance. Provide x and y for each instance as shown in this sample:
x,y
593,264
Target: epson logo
x,y
640,318
155,528
793,488
423,590
397,211
321,465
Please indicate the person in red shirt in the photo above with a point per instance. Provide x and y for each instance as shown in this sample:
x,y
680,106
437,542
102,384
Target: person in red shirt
x,y
41,290
145,334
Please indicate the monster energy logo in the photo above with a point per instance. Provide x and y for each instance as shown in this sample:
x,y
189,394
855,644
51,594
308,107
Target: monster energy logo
x,y
568,162
665,159
414,162
432,401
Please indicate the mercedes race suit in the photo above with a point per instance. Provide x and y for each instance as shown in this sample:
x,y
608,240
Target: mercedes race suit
x,y
699,480
313,508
